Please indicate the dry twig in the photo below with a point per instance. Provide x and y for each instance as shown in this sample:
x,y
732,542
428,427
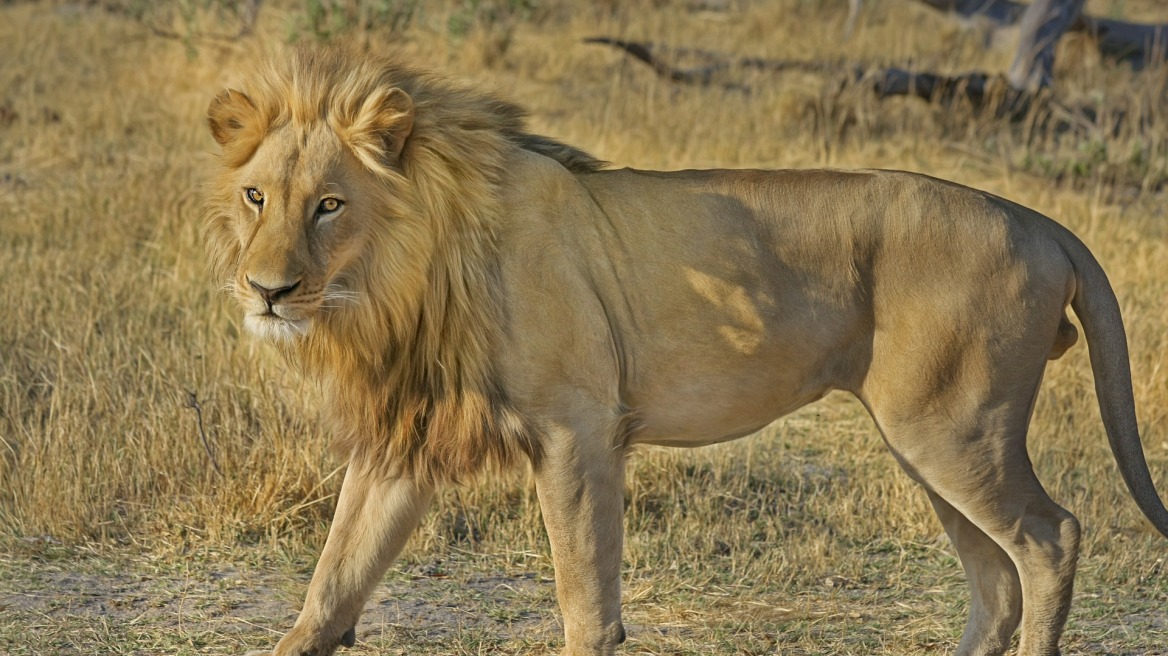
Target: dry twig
x,y
193,404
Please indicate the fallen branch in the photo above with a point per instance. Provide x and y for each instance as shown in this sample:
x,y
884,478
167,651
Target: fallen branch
x,y
643,52
976,88
980,92
719,63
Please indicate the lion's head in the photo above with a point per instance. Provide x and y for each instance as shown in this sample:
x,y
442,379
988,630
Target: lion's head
x,y
310,207
351,217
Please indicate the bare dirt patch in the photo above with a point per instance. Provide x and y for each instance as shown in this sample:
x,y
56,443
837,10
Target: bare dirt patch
x,y
129,605
60,601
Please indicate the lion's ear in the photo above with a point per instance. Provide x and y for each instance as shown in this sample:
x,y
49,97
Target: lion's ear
x,y
380,128
235,123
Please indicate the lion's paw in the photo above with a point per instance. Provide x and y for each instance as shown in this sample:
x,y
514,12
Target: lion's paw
x,y
294,643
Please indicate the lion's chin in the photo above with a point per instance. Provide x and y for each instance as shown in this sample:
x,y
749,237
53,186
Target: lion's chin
x,y
277,329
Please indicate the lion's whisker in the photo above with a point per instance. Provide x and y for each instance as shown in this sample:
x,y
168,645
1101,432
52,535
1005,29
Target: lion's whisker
x,y
335,292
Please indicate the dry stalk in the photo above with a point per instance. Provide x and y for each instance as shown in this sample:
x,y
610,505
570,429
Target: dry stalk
x,y
193,404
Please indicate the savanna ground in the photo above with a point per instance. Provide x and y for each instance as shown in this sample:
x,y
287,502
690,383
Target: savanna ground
x,y
118,534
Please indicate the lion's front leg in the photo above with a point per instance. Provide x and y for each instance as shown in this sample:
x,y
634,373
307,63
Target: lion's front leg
x,y
580,485
376,514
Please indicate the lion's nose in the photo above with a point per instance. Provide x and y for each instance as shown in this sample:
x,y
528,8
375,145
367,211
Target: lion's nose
x,y
272,294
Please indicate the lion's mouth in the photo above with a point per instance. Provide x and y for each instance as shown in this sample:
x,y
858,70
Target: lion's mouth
x,y
270,325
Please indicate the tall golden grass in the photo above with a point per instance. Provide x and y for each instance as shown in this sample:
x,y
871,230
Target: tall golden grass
x,y
108,320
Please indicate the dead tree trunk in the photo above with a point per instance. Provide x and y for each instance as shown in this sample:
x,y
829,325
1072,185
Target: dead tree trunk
x,y
1041,27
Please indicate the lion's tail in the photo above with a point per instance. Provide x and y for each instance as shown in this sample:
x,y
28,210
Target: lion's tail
x,y
1095,304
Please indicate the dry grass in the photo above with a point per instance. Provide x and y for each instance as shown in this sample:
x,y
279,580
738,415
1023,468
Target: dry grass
x,y
805,539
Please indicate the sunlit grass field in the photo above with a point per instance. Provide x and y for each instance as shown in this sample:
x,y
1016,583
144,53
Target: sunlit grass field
x,y
165,484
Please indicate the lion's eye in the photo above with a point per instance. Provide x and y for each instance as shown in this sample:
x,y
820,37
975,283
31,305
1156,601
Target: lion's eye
x,y
329,205
255,196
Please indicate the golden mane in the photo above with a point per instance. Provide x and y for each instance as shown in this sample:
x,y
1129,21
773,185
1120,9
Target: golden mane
x,y
409,368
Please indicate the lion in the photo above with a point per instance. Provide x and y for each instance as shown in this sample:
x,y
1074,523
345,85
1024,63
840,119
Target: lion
x,y
471,294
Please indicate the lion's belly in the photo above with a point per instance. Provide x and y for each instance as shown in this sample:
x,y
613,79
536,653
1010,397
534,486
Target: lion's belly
x,y
693,429
721,396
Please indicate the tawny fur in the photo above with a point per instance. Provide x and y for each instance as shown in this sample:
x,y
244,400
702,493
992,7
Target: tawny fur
x,y
471,293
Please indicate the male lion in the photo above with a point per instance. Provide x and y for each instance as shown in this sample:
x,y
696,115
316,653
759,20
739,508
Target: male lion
x,y
469,292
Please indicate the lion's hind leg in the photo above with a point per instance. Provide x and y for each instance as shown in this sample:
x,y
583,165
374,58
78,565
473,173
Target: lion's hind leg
x,y
996,605
971,456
